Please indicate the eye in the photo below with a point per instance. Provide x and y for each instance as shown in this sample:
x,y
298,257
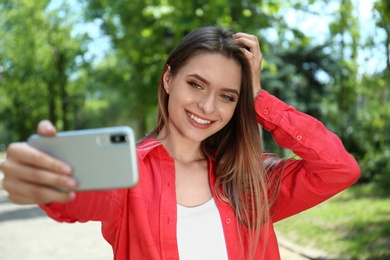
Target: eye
x,y
195,85
228,97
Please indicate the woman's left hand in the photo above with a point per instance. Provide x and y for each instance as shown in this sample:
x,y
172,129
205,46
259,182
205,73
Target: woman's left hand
x,y
254,57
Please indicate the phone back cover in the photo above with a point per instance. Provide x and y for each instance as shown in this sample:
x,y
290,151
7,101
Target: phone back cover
x,y
97,163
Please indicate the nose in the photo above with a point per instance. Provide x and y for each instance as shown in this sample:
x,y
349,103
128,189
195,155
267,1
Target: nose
x,y
207,104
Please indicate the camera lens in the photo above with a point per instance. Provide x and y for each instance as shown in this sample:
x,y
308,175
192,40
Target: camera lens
x,y
118,138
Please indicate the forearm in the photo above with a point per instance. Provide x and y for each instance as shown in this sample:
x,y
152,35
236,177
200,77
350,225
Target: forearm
x,y
87,206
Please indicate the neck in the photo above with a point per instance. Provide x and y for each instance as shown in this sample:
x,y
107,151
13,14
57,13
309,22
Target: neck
x,y
181,149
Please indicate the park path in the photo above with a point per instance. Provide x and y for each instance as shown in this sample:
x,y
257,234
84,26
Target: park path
x,y
26,233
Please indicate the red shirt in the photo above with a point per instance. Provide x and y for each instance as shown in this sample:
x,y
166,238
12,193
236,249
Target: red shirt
x,y
140,223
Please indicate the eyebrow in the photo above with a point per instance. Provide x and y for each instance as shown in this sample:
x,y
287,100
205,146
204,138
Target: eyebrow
x,y
233,91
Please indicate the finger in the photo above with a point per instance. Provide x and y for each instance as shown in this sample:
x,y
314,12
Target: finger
x,y
250,41
26,193
253,47
25,154
48,198
253,59
255,64
244,35
38,176
46,128
248,54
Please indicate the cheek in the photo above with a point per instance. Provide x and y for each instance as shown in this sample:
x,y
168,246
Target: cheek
x,y
181,95
227,112
177,99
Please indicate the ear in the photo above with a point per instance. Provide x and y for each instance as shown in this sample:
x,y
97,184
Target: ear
x,y
167,78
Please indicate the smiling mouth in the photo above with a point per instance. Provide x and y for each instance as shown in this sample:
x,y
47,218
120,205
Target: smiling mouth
x,y
198,120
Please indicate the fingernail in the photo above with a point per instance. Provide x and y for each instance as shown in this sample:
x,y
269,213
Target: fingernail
x,y
71,183
72,195
66,169
49,128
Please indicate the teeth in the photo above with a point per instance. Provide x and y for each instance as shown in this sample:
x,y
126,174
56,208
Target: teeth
x,y
198,120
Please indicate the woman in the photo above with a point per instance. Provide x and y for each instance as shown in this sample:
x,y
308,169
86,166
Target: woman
x,y
206,190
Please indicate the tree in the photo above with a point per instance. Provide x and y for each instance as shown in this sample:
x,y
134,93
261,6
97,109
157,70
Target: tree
x,y
373,124
39,58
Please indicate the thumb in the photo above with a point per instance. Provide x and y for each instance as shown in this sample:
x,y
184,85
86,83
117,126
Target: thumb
x,y
46,128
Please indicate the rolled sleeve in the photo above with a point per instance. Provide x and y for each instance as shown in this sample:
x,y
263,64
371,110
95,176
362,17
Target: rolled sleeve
x,y
325,168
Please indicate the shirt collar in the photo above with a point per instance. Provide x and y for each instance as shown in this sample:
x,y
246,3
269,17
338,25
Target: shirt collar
x,y
147,145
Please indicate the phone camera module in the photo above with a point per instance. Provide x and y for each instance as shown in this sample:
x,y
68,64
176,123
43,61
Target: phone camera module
x,y
119,138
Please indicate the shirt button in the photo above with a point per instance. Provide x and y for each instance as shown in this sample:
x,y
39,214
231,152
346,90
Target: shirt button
x,y
299,137
265,111
228,221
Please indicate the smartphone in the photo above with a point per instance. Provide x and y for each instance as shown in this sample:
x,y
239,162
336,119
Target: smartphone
x,y
102,158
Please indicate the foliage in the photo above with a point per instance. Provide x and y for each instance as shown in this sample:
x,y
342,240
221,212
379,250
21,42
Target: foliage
x,y
371,138
38,58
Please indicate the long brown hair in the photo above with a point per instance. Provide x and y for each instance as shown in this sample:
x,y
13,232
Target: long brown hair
x,y
241,176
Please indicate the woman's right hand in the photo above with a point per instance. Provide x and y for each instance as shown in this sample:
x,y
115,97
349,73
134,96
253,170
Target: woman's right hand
x,y
33,177
254,57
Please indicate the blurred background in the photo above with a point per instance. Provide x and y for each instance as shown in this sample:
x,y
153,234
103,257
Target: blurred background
x,y
96,63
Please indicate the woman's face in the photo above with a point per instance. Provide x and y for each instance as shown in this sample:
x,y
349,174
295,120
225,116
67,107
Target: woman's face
x,y
202,96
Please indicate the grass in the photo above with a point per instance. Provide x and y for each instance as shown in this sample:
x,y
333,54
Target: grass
x,y
354,224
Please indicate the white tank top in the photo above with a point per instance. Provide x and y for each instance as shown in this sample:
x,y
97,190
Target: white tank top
x,y
200,233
